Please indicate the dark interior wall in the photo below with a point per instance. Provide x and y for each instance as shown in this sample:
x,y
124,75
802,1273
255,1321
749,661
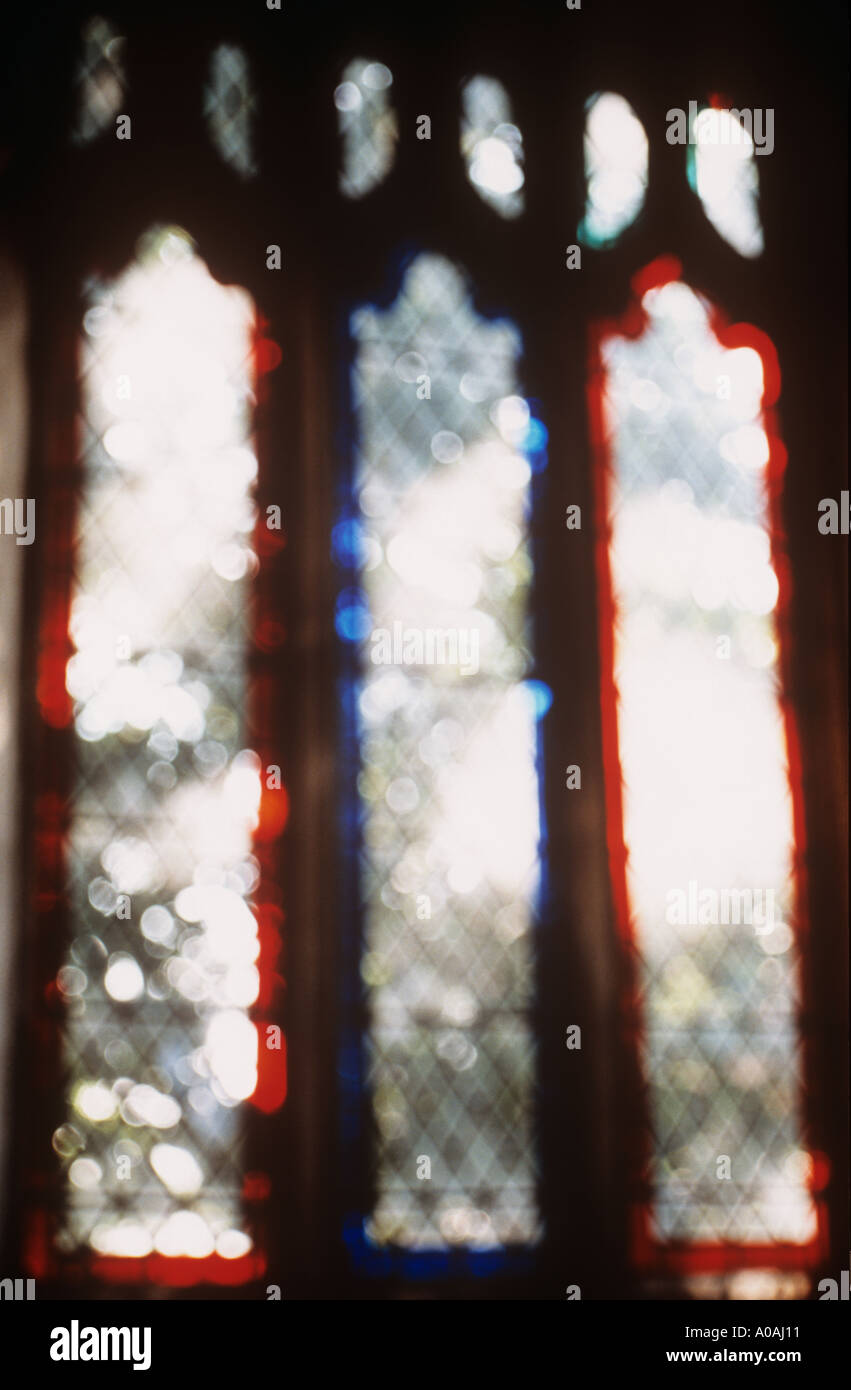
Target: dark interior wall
x,y
13,470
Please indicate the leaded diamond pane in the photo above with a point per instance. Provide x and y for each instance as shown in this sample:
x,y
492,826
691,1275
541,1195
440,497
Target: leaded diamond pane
x,y
100,80
229,108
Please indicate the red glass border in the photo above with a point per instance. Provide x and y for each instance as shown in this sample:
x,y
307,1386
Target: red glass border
x,y
646,1251
43,1195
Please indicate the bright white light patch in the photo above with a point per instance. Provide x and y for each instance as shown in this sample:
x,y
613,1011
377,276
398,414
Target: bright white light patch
x,y
232,1050
123,980
125,1238
492,145
185,1233
616,155
96,1102
177,1169
727,179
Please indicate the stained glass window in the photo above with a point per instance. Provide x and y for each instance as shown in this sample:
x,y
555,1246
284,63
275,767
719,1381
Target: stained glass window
x,y
434,963
448,785
616,153
229,107
161,972
492,145
708,817
367,124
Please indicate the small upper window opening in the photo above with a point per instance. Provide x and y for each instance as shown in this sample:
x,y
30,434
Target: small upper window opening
x,y
722,171
100,80
615,169
367,124
229,107
492,145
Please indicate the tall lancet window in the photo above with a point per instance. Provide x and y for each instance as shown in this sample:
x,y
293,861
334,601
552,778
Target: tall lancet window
x,y
701,777
447,781
160,1050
